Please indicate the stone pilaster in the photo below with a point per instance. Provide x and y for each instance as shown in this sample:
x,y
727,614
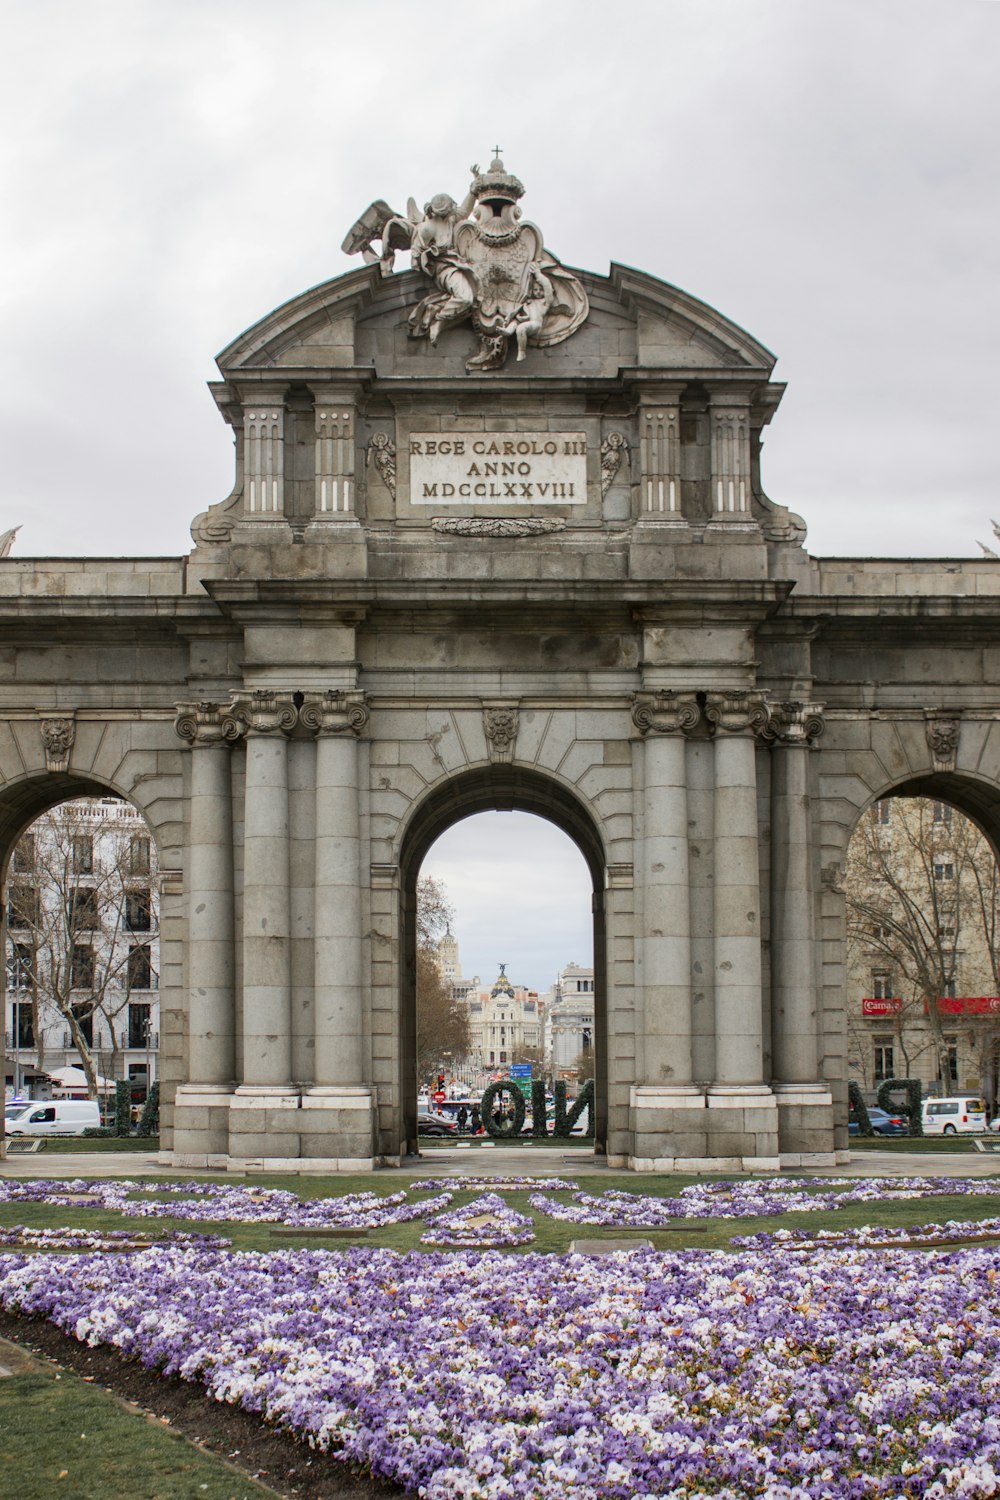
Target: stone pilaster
x,y
731,472
335,479
264,456
266,719
736,716
337,719
663,719
660,457
201,1105
805,1106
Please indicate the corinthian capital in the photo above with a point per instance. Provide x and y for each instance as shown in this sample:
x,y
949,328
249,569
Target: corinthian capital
x,y
665,712
206,724
736,711
335,713
795,723
262,712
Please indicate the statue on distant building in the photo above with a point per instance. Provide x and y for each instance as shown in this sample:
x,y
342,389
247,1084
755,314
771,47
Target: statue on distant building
x,y
486,265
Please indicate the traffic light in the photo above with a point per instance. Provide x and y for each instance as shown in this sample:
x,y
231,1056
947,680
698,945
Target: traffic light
x,y
441,1083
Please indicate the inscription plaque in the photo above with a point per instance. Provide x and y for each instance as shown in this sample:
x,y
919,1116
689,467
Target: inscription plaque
x,y
498,468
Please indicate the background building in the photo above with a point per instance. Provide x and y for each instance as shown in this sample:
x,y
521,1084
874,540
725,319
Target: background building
x,y
923,914
506,1024
82,946
569,1021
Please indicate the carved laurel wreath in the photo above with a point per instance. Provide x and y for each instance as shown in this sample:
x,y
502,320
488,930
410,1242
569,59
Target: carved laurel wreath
x,y
496,525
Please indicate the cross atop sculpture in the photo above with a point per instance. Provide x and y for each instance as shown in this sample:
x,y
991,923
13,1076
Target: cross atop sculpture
x,y
487,266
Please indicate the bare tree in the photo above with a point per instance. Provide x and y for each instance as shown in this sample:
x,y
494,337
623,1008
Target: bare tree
x,y
443,1032
923,908
81,920
435,912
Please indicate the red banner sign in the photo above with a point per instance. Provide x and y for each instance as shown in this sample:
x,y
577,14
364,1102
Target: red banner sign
x,y
964,1005
979,1005
881,1007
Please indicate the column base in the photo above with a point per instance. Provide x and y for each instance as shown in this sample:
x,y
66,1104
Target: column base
x,y
275,1128
684,1128
805,1124
201,1123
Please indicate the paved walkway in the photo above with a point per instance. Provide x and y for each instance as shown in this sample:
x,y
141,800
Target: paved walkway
x,y
497,1161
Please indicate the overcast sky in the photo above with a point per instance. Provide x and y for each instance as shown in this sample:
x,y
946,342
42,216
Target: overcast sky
x,y
822,171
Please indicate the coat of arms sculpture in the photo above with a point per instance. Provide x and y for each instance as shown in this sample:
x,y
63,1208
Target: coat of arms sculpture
x,y
486,264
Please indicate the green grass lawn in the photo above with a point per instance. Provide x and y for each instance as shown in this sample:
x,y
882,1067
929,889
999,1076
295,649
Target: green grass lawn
x,y
551,1235
949,1145
61,1436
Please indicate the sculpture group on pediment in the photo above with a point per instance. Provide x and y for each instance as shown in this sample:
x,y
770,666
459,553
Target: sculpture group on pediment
x,y
486,265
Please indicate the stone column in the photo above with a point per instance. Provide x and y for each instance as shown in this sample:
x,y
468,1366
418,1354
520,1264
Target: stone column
x,y
739,1061
267,1063
211,1016
663,718
338,719
793,978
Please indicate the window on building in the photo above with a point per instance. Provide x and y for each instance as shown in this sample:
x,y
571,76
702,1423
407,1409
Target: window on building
x,y
24,1030
883,1058
881,932
24,854
951,1059
947,934
492,1058
21,967
138,1025
139,848
882,984
880,813
22,906
138,911
83,909
82,967
84,1016
503,1057
82,853
140,969
941,812
587,1039
944,869
948,989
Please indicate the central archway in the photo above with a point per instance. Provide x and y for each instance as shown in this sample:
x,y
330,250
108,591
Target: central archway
x,y
497,788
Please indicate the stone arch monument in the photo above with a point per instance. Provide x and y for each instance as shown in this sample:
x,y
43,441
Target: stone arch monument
x,y
498,538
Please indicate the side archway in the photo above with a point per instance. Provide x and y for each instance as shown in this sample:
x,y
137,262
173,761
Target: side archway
x,y
497,788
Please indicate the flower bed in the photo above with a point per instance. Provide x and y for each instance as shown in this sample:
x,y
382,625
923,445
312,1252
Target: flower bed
x,y
479,1377
487,1223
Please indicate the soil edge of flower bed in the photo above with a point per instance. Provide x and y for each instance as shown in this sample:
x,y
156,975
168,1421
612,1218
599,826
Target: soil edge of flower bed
x,y
275,1458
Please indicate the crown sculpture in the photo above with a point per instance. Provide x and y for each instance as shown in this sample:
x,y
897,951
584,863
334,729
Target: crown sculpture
x,y
486,265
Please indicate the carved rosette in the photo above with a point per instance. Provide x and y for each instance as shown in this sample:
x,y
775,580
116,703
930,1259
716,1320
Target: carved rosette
x,y
262,712
665,712
335,713
500,725
942,739
794,723
206,724
737,711
58,734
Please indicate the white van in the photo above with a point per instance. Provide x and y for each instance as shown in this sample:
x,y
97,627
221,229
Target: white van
x,y
958,1116
54,1117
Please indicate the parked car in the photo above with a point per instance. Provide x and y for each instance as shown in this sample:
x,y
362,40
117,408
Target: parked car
x,y
882,1123
434,1125
54,1117
960,1115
